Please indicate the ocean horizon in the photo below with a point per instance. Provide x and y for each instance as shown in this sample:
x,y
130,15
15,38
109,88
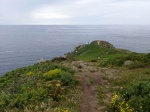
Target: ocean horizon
x,y
23,45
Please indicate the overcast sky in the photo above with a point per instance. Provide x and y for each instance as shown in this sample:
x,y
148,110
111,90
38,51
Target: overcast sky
x,y
84,12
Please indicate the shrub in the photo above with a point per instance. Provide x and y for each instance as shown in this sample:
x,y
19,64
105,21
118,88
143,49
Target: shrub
x,y
136,64
147,59
133,57
80,67
100,92
119,104
52,74
134,96
26,88
30,73
68,80
55,90
58,109
93,60
58,59
117,61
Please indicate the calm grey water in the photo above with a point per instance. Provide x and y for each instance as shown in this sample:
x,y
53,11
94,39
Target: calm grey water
x,y
25,45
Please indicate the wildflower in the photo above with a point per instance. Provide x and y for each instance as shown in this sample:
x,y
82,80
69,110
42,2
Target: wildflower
x,y
58,85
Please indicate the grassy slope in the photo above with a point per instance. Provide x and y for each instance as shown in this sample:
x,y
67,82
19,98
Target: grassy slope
x,y
51,87
42,87
131,86
106,55
92,51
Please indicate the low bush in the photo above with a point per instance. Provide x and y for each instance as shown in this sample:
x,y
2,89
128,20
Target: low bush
x,y
58,59
93,60
119,104
138,61
136,64
133,97
68,80
111,62
79,66
53,74
28,88
56,91
100,92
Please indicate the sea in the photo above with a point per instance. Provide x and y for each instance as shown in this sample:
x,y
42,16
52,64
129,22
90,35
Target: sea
x,y
23,45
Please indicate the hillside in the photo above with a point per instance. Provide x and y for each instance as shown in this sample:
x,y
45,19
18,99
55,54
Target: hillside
x,y
45,86
95,77
108,56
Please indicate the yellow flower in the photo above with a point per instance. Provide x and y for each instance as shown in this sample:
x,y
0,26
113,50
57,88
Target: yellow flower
x,y
58,85
66,110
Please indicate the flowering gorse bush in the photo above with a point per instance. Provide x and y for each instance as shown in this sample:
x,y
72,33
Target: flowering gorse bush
x,y
61,110
132,98
56,73
56,91
118,104
38,88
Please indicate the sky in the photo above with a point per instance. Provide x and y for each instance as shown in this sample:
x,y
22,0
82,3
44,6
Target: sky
x,y
74,12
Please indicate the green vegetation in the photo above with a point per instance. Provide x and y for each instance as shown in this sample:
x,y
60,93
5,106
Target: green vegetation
x,y
134,95
90,80
100,94
50,87
133,98
131,87
41,87
108,56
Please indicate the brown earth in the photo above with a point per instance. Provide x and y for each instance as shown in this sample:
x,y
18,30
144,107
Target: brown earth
x,y
91,77
89,101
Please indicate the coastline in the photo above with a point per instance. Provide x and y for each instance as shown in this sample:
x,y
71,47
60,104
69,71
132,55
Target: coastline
x,y
96,72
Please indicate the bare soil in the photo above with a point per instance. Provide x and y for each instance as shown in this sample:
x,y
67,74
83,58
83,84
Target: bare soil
x,y
91,77
89,102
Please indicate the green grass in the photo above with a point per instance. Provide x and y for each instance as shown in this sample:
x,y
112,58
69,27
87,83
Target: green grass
x,y
108,56
131,76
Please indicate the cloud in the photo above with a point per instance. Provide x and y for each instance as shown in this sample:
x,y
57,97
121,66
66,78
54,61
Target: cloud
x,y
48,12
85,1
49,16
45,15
75,11
97,12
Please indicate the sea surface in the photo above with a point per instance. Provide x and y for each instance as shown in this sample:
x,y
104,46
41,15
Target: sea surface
x,y
25,45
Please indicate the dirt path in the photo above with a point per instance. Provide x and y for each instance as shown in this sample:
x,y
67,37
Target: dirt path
x,y
90,79
89,101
